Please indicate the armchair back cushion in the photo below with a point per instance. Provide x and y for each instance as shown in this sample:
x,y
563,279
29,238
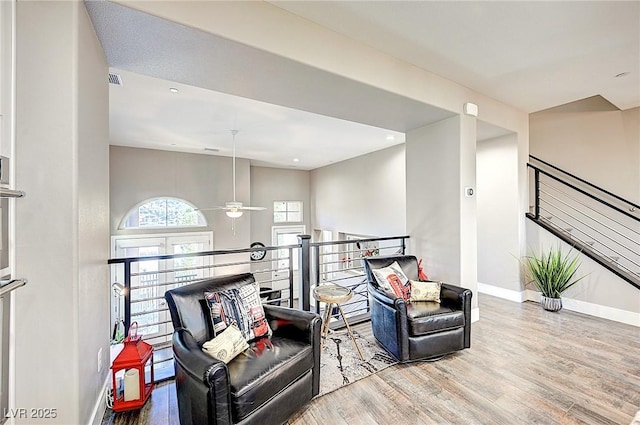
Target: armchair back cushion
x,y
189,309
408,264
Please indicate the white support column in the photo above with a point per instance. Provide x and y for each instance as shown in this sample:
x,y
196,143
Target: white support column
x,y
441,219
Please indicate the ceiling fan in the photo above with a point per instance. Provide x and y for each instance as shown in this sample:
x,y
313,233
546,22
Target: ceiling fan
x,y
234,209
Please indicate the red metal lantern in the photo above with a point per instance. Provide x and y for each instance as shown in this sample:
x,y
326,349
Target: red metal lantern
x,y
131,388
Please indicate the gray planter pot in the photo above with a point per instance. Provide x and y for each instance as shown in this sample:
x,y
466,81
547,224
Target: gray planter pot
x,y
551,304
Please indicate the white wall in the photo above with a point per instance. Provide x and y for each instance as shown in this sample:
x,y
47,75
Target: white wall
x,y
94,289
601,146
605,294
363,195
276,184
498,213
203,180
593,140
62,230
6,74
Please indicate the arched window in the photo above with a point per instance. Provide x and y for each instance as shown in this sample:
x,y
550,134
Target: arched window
x,y
163,213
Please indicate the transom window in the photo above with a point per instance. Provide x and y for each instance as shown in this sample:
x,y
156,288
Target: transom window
x,y
162,213
287,211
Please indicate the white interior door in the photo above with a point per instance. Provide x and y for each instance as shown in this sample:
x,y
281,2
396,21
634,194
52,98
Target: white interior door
x,y
282,236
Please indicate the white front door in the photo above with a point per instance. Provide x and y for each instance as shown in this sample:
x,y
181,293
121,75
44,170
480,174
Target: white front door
x,y
152,278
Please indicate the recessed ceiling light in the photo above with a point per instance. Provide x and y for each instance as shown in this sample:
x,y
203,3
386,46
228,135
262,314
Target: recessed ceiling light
x,y
173,90
212,149
622,74
391,137
296,160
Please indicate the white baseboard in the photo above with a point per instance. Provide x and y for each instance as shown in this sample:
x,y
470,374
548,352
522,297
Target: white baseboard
x,y
496,291
475,314
604,312
101,404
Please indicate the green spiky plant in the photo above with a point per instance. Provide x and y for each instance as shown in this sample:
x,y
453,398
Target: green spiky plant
x,y
554,272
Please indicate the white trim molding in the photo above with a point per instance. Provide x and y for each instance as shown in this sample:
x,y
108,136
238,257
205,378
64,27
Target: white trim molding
x,y
496,291
475,314
101,404
601,311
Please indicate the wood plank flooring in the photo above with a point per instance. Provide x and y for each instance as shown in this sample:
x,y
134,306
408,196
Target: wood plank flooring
x,y
525,366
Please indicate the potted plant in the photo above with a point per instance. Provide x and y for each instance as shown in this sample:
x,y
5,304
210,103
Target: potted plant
x,y
552,273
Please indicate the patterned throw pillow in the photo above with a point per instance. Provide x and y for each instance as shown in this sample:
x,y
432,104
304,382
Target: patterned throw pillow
x,y
425,291
241,306
393,280
226,345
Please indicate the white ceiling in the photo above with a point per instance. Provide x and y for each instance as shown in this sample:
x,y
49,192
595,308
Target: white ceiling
x,y
143,113
529,54
532,55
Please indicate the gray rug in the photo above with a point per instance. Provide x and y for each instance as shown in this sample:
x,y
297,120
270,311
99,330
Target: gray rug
x,y
340,364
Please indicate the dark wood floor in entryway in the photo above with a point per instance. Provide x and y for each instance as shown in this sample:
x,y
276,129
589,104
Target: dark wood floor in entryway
x,y
525,366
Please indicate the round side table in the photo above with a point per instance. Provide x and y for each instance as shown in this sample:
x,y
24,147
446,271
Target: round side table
x,y
331,295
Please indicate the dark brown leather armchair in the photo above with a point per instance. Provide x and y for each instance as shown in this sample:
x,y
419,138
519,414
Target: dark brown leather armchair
x,y
419,330
264,385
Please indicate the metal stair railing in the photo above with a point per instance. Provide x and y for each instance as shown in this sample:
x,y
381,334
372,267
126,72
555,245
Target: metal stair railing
x,y
599,223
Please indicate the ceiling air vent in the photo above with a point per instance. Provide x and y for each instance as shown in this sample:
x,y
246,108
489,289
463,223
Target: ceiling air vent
x,y
115,79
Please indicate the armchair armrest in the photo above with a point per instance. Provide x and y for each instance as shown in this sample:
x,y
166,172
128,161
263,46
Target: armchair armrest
x,y
389,321
298,325
397,303
291,323
204,381
461,299
198,364
455,295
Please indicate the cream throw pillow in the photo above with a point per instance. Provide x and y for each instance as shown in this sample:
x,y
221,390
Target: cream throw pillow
x,y
425,291
226,345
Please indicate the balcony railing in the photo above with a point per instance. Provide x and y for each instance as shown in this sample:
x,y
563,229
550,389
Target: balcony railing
x,y
286,276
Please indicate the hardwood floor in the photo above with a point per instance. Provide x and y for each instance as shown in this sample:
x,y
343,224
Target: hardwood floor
x,y
525,366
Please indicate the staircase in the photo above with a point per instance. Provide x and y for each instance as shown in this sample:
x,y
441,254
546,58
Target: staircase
x,y
596,222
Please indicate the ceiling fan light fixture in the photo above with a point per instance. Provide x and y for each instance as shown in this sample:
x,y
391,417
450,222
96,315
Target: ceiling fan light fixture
x,y
234,214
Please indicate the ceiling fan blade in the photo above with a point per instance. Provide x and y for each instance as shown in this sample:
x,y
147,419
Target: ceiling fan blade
x,y
211,209
253,208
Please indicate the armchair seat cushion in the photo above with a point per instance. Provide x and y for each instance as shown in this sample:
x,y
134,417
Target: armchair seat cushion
x,y
258,375
428,317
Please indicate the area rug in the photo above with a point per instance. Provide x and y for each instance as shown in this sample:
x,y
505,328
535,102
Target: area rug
x,y
340,364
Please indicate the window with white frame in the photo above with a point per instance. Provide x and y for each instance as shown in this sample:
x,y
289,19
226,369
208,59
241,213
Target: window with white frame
x,y
287,211
162,213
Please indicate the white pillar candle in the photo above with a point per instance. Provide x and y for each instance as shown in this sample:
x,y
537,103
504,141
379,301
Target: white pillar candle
x,y
131,385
